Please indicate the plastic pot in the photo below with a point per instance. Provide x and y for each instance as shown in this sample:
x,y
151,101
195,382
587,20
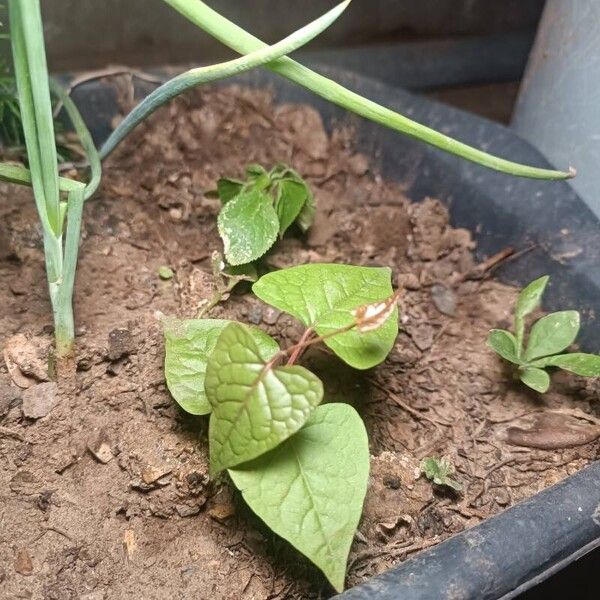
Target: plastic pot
x,y
528,542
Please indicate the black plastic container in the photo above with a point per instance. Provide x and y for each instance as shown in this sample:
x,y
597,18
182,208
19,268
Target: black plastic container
x,y
517,549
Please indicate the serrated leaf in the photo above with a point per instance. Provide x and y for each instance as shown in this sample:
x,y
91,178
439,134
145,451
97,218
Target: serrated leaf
x,y
439,470
228,189
290,198
310,490
536,379
587,365
323,296
255,406
531,296
188,345
248,226
503,343
552,334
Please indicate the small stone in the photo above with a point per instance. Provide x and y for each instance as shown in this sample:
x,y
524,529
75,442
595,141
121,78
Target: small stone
x,y
444,299
152,474
23,562
271,315
255,315
222,512
9,397
176,214
102,453
120,343
39,400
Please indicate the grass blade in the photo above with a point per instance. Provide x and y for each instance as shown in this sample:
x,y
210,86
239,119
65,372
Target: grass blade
x,y
243,42
261,55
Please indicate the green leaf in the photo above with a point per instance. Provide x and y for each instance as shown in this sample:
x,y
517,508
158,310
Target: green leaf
x,y
587,365
165,272
255,406
552,334
529,299
256,171
531,296
310,490
307,214
439,470
228,189
536,379
503,343
323,295
248,225
291,197
188,346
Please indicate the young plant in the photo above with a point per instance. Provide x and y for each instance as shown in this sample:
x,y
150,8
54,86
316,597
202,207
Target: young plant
x,y
61,219
439,470
301,466
256,211
548,338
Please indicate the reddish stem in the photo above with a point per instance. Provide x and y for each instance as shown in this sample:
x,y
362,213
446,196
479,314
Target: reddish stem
x,y
300,346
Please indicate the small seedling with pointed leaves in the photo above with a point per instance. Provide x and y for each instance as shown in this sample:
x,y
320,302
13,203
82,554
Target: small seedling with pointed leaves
x,y
438,470
256,211
301,466
548,338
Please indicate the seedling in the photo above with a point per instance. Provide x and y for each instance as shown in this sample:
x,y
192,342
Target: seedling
x,y
438,470
301,466
256,211
165,272
548,338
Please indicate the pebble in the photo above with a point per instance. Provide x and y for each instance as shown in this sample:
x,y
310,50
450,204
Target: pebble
x,y
39,400
255,315
444,299
271,315
120,343
23,562
9,397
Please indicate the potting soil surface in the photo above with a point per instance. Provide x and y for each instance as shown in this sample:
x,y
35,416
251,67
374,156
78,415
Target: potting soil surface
x,y
104,487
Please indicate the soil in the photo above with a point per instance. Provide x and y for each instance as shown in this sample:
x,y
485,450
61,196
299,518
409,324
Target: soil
x,y
104,488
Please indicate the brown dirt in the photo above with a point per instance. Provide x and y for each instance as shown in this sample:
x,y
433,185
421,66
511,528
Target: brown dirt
x,y
108,495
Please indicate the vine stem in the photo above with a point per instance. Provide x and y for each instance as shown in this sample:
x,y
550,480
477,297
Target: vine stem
x,y
298,347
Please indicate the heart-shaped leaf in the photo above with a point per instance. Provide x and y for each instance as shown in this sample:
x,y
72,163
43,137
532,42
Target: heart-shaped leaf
x,y
536,379
504,343
323,296
587,365
310,489
188,345
248,226
255,406
552,334
290,198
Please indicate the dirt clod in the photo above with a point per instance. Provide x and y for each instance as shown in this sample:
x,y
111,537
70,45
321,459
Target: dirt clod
x,y
23,562
40,400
